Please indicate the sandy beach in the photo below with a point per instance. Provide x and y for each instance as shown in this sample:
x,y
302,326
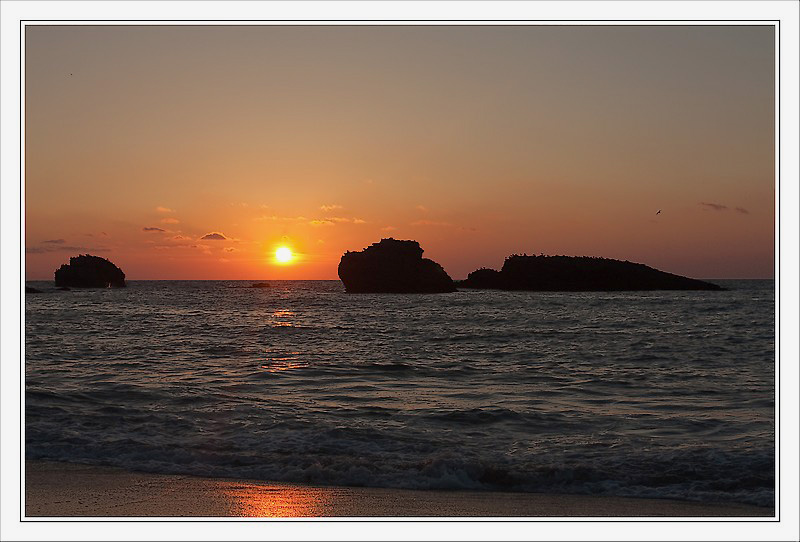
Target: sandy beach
x,y
69,490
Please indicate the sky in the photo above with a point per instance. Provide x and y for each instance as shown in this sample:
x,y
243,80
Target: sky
x,y
194,152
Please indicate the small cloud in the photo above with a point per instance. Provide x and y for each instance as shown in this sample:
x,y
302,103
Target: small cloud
x,y
224,260
714,206
742,210
54,241
359,221
388,228
214,236
170,220
65,248
180,238
321,223
276,218
429,223
320,242
104,234
422,208
231,249
330,207
338,219
160,209
153,229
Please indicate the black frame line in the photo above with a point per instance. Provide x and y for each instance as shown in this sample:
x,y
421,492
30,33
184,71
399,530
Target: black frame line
x,y
474,22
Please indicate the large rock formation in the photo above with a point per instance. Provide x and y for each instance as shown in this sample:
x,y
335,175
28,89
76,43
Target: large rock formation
x,y
86,271
393,266
575,274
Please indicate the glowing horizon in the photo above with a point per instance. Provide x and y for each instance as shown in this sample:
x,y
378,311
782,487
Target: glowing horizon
x,y
196,152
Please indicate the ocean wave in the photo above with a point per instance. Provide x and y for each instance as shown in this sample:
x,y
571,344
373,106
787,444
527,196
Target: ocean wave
x,y
629,394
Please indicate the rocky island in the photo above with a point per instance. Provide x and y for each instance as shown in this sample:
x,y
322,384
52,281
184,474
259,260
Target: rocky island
x,y
393,266
578,274
87,271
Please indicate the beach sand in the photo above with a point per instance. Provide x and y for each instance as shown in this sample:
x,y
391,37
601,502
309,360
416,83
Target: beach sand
x,y
63,489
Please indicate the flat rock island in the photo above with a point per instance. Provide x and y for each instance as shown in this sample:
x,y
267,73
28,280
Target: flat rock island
x,y
393,266
578,274
87,271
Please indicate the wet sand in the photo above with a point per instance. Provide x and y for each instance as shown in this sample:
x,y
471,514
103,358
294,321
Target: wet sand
x,y
70,490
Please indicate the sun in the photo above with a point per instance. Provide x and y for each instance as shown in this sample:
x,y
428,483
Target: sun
x,y
283,255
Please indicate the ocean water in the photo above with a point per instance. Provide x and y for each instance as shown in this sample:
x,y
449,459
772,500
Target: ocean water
x,y
645,394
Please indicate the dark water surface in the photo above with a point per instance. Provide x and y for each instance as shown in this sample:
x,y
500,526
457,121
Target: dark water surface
x,y
650,394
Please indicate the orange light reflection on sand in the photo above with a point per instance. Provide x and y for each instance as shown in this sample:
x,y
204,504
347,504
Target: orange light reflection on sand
x,y
274,501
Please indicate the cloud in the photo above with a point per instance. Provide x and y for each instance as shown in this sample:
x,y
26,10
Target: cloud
x,y
153,229
276,218
421,208
65,248
388,228
231,249
181,238
714,206
330,207
429,223
164,210
331,220
54,241
742,210
214,236
170,220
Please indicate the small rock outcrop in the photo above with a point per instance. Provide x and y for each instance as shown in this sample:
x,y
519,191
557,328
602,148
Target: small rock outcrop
x,y
578,274
32,290
393,266
87,271
260,285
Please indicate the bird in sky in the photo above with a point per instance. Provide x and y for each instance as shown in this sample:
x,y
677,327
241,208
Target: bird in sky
x,y
659,212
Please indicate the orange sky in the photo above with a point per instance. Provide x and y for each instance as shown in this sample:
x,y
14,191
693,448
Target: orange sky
x,y
478,142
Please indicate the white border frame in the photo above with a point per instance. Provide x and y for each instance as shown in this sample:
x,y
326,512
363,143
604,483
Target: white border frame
x,y
403,13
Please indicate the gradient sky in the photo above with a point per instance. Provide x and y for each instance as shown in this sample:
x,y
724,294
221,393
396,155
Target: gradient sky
x,y
477,141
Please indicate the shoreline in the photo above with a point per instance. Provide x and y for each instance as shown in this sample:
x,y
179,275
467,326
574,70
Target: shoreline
x,y
55,489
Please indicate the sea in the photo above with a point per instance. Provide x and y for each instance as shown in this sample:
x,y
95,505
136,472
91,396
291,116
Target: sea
x,y
661,394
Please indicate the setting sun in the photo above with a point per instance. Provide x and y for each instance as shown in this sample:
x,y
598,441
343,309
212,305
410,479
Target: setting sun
x,y
284,255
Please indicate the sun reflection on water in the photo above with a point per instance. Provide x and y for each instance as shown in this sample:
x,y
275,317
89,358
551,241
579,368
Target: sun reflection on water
x,y
285,362
283,318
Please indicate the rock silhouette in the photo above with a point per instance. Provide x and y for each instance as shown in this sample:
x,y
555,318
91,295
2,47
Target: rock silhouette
x,y
260,285
578,274
393,266
87,271
32,290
